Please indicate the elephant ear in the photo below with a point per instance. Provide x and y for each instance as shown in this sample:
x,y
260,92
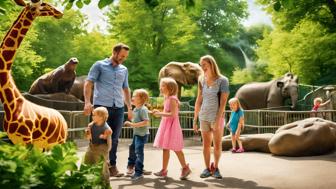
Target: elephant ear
x,y
175,71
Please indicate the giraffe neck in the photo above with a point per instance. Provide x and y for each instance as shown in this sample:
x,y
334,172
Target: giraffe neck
x,y
14,37
8,90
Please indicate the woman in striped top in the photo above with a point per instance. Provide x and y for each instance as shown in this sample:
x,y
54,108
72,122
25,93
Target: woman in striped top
x,y
213,91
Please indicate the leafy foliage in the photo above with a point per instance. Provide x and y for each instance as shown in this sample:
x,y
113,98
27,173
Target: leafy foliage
x,y
245,75
4,6
308,50
54,41
303,41
23,167
287,13
221,20
89,48
104,3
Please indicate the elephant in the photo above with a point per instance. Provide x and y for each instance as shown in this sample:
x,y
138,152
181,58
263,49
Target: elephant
x,y
77,88
183,73
57,80
270,94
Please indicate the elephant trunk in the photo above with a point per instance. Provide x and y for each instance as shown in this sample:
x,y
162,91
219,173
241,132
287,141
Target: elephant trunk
x,y
294,99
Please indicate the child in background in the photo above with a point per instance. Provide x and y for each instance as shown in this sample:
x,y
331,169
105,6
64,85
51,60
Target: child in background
x,y
99,133
169,135
140,125
236,124
318,103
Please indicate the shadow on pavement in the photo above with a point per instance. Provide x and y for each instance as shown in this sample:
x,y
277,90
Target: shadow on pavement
x,y
231,182
226,182
162,183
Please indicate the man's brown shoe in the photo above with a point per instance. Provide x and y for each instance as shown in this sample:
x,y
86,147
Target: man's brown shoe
x,y
114,172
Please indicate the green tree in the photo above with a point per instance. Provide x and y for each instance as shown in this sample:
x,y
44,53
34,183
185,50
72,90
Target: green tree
x,y
89,48
303,41
220,23
55,37
104,3
287,13
307,50
5,6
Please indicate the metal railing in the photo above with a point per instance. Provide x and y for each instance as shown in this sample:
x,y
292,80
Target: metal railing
x,y
256,121
268,121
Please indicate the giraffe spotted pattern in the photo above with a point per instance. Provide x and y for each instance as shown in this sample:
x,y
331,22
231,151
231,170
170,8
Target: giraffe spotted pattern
x,y
26,122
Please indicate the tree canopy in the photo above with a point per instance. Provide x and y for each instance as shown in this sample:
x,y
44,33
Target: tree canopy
x,y
301,40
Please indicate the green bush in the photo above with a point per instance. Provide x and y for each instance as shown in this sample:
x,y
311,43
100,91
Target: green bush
x,y
28,167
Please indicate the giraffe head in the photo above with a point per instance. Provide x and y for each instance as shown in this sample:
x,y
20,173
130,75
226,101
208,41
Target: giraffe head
x,y
39,8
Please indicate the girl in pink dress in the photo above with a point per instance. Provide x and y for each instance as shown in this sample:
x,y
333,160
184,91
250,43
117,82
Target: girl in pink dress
x,y
169,135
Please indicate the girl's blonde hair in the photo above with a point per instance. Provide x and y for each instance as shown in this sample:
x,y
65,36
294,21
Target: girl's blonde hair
x,y
235,100
101,112
170,84
214,67
143,94
318,99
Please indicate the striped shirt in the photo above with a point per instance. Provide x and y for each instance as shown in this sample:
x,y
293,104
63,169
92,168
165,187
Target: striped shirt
x,y
210,102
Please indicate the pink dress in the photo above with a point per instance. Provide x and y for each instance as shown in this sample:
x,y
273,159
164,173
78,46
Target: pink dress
x,y
169,135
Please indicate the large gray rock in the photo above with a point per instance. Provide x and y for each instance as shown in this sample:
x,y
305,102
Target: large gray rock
x,y
311,136
251,142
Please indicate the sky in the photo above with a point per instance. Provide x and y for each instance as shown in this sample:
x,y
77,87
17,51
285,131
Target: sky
x,y
256,15
97,19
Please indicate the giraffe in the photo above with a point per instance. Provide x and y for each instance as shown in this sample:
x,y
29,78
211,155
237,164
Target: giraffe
x,y
26,122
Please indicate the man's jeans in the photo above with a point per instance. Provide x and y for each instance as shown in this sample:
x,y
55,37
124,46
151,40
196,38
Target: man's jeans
x,y
136,153
115,121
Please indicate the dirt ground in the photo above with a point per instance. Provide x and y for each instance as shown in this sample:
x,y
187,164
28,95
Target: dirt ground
x,y
249,170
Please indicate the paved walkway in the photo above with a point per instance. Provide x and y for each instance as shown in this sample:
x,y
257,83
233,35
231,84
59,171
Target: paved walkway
x,y
249,170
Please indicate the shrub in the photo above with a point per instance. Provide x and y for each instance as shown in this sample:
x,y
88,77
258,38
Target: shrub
x,y
28,167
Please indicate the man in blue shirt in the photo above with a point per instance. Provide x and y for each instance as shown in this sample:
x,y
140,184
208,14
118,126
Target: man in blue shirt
x,y
110,81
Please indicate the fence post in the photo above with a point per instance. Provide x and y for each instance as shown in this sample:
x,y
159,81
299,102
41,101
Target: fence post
x,y
259,121
286,118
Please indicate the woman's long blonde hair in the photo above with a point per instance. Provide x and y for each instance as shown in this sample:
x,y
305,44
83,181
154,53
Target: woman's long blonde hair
x,y
214,67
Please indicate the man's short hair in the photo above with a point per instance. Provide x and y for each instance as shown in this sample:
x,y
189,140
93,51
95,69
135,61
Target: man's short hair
x,y
117,48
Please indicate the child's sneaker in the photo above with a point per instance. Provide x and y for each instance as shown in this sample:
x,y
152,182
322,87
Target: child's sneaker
x,y
240,150
217,174
233,150
185,172
136,177
206,173
162,173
